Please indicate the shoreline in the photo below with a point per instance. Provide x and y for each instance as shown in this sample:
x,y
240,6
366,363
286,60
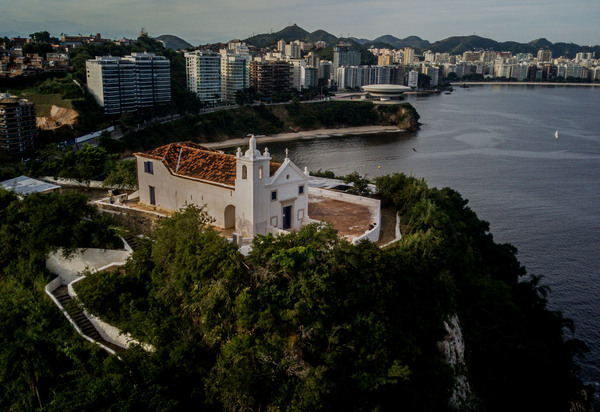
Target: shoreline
x,y
304,135
460,84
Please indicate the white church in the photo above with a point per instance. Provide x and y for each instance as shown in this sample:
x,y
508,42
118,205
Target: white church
x,y
246,192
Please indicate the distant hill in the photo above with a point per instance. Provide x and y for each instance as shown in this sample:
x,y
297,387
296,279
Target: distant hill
x,y
396,43
174,42
321,35
452,45
540,43
460,44
289,34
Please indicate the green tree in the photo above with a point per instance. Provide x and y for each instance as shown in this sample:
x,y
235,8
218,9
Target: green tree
x,y
359,185
123,176
40,37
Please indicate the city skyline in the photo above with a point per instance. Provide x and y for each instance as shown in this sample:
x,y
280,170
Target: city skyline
x,y
221,21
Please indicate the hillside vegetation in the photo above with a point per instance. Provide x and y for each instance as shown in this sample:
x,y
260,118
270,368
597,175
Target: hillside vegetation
x,y
309,322
306,322
267,120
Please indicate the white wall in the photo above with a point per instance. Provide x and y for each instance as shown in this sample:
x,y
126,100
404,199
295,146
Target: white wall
x,y
70,268
173,193
286,182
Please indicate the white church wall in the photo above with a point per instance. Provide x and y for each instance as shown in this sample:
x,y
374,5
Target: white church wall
x,y
173,193
287,183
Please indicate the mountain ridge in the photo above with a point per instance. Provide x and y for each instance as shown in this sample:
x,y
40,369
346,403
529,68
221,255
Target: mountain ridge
x,y
453,44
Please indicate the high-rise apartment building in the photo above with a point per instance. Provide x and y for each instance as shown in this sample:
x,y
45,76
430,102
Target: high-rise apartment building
x,y
434,75
203,72
234,75
409,55
343,56
270,77
544,56
309,77
293,51
384,59
312,59
413,79
234,69
129,83
18,127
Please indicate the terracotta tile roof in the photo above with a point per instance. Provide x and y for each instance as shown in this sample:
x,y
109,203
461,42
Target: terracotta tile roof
x,y
198,162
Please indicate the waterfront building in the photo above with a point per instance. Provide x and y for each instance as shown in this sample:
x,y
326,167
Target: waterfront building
x,y
18,127
129,83
434,75
350,77
203,72
501,69
574,70
520,71
398,75
413,79
544,56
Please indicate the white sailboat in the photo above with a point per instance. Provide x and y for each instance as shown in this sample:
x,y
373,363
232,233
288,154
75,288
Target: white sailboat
x,y
556,135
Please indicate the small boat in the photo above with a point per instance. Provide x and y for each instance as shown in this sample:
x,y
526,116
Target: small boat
x,y
556,135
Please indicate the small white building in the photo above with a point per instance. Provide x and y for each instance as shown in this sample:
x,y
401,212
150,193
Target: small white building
x,y
246,192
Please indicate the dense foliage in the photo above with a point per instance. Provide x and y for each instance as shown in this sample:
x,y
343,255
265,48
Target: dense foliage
x,y
306,322
86,164
516,354
264,120
40,355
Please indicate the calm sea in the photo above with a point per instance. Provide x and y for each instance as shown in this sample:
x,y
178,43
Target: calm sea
x,y
496,145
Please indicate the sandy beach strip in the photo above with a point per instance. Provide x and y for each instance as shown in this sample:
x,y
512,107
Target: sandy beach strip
x,y
303,135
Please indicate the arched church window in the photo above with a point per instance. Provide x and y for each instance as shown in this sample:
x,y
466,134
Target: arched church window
x,y
260,172
244,172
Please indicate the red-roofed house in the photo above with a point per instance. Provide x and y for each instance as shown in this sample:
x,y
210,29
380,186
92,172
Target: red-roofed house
x,y
246,192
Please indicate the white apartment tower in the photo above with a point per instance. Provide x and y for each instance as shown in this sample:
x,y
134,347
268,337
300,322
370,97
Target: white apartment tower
x,y
413,79
234,75
203,70
129,83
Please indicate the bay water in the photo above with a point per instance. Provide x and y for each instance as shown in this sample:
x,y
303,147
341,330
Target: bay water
x,y
496,145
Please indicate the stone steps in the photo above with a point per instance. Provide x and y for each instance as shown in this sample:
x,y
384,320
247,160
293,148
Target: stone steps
x,y
82,322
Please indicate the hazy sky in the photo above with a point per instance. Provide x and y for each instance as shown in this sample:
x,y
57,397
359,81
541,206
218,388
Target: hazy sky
x,y
208,21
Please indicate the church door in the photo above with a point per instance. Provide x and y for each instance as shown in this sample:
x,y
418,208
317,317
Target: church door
x,y
287,217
